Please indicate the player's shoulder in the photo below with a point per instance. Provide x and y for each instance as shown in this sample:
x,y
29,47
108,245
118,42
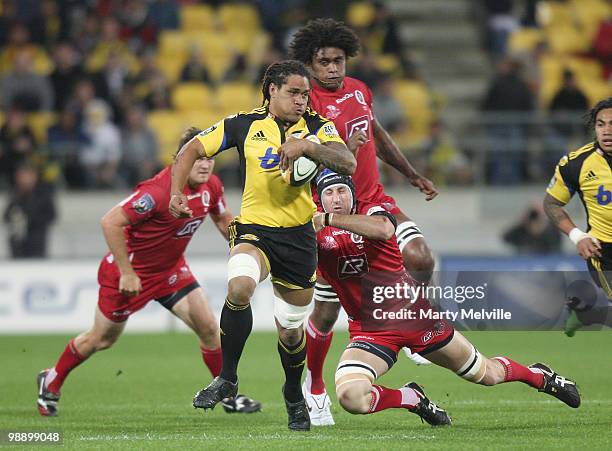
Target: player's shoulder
x,y
369,208
576,158
354,83
159,183
254,114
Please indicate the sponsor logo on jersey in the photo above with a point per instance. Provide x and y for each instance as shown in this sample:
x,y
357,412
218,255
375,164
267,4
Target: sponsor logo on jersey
x,y
143,204
590,176
248,237
332,112
361,123
346,96
206,198
359,96
269,160
563,161
210,129
328,243
190,228
352,266
552,182
330,130
172,279
193,196
427,336
375,209
122,313
357,239
259,136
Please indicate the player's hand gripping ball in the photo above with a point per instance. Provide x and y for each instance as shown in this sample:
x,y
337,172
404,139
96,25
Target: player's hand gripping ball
x,y
303,168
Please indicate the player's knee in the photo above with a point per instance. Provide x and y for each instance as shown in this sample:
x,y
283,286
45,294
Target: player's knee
x,y
289,316
353,399
290,337
240,290
105,342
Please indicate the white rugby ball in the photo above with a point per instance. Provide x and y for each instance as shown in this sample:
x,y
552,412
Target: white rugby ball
x,y
304,169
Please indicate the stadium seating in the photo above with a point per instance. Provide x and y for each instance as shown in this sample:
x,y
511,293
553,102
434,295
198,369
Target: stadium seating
x,y
234,97
191,96
197,17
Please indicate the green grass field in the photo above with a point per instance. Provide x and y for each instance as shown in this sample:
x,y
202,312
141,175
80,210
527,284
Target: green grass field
x,y
138,395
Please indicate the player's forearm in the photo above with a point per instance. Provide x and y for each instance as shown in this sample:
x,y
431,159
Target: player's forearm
x,y
183,163
374,227
557,214
222,223
334,156
387,151
115,239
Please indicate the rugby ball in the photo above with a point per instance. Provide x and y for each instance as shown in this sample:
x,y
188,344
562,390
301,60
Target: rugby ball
x,y
303,169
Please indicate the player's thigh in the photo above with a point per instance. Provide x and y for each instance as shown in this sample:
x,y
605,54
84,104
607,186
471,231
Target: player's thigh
x,y
454,355
256,253
194,310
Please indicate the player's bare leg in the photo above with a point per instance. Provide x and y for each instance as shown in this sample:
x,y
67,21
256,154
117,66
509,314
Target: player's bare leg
x,y
246,268
290,310
464,359
357,393
194,310
102,335
418,261
319,332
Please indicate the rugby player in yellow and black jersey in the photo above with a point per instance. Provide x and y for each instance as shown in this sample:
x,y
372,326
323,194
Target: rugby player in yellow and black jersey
x,y
588,172
274,233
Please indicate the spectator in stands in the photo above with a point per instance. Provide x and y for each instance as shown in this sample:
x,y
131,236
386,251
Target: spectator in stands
x,y
110,83
534,233
446,164
66,140
22,87
17,143
508,103
389,111
110,43
164,14
194,68
101,157
237,71
500,25
29,213
87,34
47,25
19,42
137,28
566,107
140,148
159,94
66,74
602,46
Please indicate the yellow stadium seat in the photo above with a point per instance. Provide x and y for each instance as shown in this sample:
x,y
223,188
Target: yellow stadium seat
x,y
567,39
388,64
360,14
168,127
416,100
40,123
596,90
525,39
197,17
590,13
191,96
201,119
173,43
171,67
553,14
239,15
234,97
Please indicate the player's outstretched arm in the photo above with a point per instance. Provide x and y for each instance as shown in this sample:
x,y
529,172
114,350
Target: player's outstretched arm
x,y
222,222
587,248
181,167
375,227
387,151
113,223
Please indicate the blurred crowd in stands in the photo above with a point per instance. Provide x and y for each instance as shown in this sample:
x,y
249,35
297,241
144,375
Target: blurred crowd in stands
x,y
553,61
95,93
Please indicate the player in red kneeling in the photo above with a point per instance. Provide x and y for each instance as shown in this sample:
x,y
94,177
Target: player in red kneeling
x,y
146,262
359,259
324,45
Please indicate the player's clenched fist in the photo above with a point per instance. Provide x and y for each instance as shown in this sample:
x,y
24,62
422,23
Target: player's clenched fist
x,y
589,247
129,284
179,208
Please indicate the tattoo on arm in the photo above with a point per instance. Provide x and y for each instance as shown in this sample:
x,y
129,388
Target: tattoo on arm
x,y
334,156
557,214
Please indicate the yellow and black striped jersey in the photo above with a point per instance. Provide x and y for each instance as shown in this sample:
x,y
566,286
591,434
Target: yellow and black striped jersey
x,y
587,171
267,199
